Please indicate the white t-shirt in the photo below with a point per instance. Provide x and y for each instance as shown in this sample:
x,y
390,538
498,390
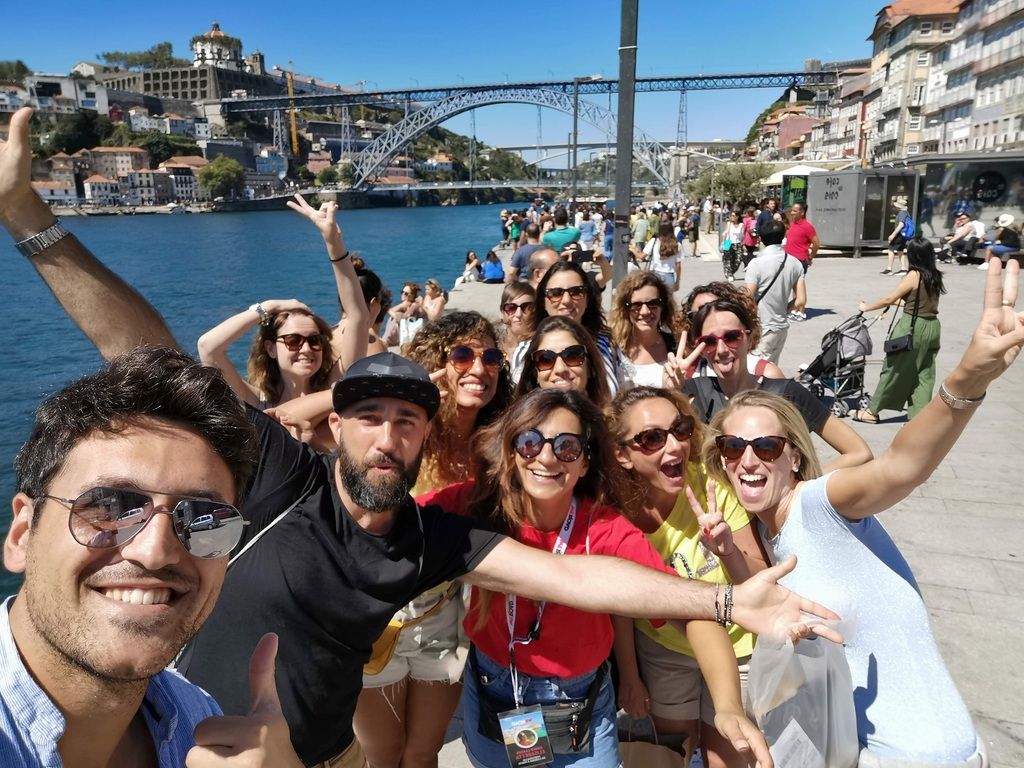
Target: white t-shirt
x,y
666,266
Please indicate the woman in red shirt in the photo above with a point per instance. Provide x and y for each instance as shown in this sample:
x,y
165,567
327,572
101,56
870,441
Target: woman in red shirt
x,y
546,474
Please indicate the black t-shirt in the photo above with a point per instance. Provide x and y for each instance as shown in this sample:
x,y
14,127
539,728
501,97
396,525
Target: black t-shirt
x,y
325,585
1009,238
708,399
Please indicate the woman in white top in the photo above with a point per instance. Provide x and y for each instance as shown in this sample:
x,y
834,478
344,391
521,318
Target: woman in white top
x,y
662,254
645,323
733,236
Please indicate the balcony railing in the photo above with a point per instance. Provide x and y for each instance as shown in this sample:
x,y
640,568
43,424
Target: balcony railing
x,y
1000,12
892,100
955,95
933,133
998,58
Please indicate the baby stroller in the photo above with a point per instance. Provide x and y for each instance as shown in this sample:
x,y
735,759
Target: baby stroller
x,y
839,368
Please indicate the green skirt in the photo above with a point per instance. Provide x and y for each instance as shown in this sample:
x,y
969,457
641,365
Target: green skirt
x,y
908,378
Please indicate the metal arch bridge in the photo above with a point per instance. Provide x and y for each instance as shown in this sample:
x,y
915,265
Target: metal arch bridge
x,y
447,102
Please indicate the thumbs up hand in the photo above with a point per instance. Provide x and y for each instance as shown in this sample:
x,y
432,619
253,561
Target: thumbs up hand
x,y
260,738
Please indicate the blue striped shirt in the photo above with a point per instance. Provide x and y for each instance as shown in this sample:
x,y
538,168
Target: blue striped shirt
x,y
31,725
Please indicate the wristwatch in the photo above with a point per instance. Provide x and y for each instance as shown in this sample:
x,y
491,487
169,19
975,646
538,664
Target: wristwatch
x,y
958,403
259,310
39,242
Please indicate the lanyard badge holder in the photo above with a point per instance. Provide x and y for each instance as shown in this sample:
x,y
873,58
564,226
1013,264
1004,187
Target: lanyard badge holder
x,y
523,728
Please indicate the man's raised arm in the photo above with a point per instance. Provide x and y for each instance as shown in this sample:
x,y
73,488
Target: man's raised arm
x,y
110,312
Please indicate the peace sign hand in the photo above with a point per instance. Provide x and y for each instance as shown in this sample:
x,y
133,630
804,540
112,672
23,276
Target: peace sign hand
x,y
998,338
674,374
715,533
323,218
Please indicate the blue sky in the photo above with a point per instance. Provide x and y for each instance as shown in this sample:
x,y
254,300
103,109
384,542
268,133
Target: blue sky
x,y
404,43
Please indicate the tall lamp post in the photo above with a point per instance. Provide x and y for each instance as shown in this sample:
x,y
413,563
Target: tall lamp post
x,y
575,129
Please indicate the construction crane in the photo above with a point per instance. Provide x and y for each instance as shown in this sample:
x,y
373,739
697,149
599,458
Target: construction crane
x,y
289,77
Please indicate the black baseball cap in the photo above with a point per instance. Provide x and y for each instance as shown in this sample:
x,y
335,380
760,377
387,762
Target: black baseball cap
x,y
387,375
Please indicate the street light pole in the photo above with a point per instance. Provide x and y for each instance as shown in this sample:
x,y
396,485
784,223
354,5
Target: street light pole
x,y
575,130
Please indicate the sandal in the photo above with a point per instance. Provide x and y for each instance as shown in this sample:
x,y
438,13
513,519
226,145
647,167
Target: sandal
x,y
864,416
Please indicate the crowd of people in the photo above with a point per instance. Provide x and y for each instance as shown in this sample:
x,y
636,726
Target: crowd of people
x,y
340,545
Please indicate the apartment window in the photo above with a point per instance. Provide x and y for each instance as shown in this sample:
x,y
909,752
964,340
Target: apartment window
x,y
913,149
914,123
947,27
925,28
922,58
918,95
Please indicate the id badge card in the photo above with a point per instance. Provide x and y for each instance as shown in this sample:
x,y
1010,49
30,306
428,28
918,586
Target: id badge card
x,y
526,736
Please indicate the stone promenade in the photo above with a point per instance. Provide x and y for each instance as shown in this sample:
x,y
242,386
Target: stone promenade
x,y
962,531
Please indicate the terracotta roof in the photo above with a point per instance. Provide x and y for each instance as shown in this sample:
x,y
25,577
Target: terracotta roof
x,y
97,179
194,161
51,185
896,13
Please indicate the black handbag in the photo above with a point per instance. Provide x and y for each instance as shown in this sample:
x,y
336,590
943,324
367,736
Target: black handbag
x,y
568,722
905,343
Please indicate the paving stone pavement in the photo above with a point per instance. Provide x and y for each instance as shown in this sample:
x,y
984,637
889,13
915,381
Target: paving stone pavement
x,y
962,531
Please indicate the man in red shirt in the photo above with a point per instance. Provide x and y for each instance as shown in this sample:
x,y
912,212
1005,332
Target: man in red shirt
x,y
802,244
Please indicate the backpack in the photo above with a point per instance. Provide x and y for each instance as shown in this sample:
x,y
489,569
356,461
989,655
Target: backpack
x,y
908,228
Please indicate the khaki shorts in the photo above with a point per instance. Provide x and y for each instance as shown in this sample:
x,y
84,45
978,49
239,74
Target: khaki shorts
x,y
675,684
352,757
434,650
771,344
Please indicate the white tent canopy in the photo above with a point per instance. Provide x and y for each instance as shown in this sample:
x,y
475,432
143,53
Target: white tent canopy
x,y
797,170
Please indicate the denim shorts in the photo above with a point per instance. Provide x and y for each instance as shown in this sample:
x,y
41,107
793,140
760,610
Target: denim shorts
x,y
496,681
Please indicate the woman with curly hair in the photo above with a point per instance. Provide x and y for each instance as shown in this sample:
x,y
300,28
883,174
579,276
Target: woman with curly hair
x,y
404,709
546,474
568,291
704,533
517,303
645,325
562,355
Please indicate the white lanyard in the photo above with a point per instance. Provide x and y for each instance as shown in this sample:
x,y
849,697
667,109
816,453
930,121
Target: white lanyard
x,y
561,543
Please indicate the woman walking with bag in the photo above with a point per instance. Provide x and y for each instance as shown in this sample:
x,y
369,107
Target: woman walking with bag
x,y
908,376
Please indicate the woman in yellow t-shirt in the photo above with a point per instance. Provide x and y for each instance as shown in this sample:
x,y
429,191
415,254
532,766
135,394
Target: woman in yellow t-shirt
x,y
703,532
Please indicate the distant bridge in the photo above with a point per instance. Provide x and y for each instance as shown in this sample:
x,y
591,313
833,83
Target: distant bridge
x,y
446,102
528,184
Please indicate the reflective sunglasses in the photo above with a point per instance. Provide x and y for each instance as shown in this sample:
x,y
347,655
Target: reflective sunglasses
x,y
104,518
566,446
294,341
654,439
636,306
575,292
510,308
767,448
462,358
574,356
731,338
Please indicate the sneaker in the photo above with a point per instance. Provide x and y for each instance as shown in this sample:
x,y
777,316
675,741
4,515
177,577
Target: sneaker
x,y
796,317
983,266
885,272
900,272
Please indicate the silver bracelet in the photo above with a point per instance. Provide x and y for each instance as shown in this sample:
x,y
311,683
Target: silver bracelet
x,y
40,241
261,312
958,403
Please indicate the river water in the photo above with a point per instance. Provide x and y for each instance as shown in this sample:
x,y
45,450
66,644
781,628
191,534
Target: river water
x,y
198,269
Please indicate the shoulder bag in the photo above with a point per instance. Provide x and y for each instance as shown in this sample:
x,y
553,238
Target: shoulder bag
x,y
762,294
903,343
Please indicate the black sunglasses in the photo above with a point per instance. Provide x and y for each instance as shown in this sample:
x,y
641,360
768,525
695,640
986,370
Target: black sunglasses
x,y
510,308
566,446
574,356
767,448
636,306
462,358
654,439
575,292
103,518
294,341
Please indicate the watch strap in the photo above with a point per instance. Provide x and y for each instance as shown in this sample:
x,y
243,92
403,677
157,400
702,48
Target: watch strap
x,y
40,241
958,403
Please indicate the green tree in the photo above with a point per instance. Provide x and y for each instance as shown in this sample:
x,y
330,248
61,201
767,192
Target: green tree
x,y
13,72
303,174
82,130
224,177
160,56
347,174
121,136
732,181
329,175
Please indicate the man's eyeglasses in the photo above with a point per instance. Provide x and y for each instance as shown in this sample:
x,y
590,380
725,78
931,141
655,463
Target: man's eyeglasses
x,y
510,308
294,341
765,448
635,306
566,446
655,438
573,356
575,292
732,339
462,358
104,518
